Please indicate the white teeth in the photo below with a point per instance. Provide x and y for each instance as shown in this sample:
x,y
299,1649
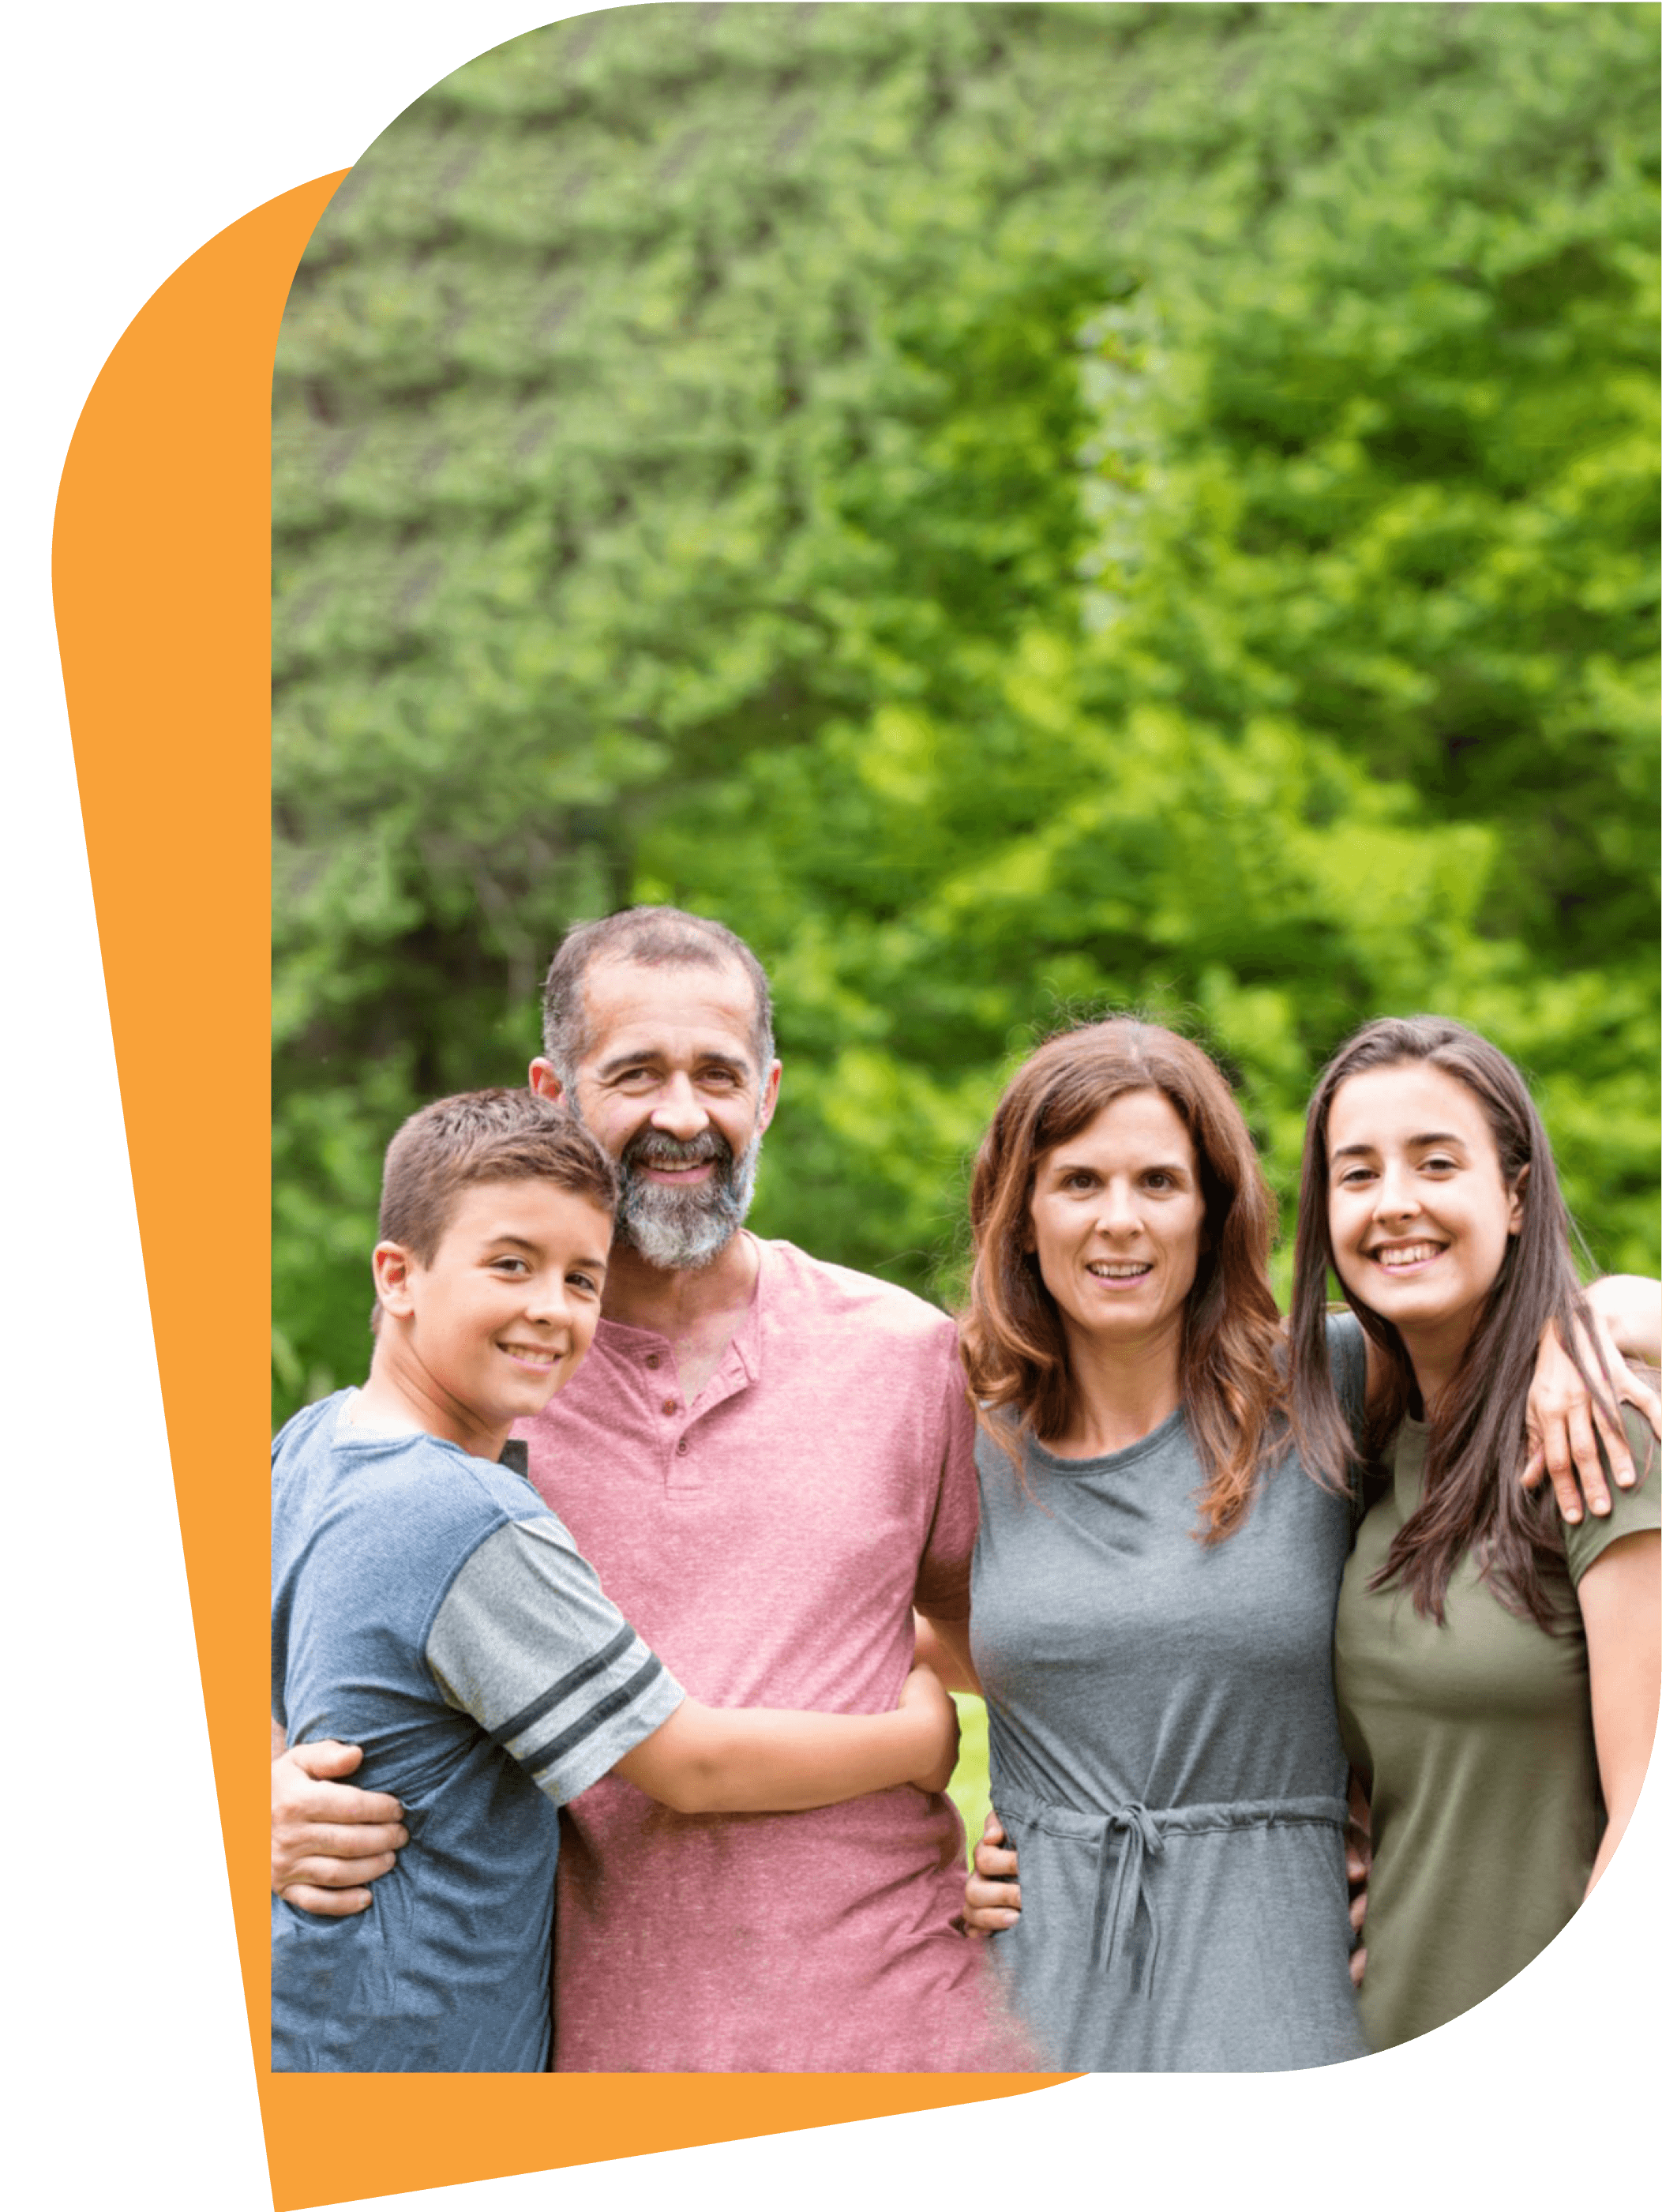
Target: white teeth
x,y
530,1352
1118,1271
1405,1255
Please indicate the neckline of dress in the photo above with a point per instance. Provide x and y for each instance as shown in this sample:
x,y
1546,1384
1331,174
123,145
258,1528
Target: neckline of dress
x,y
1097,1460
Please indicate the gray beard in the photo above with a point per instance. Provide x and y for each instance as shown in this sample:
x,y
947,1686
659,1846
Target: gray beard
x,y
685,1229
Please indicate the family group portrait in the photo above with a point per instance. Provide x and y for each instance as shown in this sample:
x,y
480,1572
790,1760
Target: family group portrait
x,y
966,1318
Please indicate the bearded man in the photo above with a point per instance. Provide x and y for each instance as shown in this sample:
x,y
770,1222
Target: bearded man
x,y
768,1461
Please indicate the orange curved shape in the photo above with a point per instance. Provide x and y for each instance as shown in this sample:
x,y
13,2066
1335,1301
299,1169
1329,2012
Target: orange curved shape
x,y
161,585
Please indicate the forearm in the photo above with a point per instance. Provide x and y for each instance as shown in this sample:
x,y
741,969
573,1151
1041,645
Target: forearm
x,y
1616,1828
1621,1606
706,1760
1630,1307
279,1741
944,1646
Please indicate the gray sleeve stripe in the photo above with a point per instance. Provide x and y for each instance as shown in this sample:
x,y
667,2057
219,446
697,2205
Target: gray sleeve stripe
x,y
566,1686
597,1716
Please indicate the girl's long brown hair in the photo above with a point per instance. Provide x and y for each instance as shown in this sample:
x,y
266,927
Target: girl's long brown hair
x,y
1014,1351
1476,1448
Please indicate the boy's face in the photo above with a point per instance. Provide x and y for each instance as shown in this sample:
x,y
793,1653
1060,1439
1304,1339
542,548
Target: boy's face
x,y
497,1321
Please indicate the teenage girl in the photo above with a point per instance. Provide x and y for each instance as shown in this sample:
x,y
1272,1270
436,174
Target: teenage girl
x,y
1497,1671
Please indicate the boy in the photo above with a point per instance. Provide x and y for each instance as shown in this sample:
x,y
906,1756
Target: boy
x,y
426,1605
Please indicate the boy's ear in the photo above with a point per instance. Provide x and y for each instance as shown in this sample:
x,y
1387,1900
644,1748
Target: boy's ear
x,y
391,1265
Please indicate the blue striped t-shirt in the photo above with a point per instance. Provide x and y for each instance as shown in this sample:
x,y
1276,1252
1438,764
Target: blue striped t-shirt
x,y
428,1606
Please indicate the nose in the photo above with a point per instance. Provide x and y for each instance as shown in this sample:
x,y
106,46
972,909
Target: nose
x,y
1394,1196
678,1112
1116,1212
546,1299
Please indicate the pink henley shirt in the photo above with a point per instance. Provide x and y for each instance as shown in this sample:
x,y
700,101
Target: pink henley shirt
x,y
768,1543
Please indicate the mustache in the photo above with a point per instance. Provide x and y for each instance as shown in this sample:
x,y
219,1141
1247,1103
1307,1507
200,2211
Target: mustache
x,y
651,1148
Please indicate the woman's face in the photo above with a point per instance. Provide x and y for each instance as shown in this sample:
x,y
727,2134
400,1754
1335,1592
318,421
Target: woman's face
x,y
1418,1212
1116,1219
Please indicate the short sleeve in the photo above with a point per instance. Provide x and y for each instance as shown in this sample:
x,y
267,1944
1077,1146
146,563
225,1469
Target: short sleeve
x,y
1347,1363
1632,1511
527,1642
942,1587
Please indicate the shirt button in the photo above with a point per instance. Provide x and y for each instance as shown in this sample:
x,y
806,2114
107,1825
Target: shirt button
x,y
653,1359
680,1449
669,1405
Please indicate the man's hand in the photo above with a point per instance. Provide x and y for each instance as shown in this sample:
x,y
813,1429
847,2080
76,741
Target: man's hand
x,y
992,1899
922,1693
329,1839
1565,1421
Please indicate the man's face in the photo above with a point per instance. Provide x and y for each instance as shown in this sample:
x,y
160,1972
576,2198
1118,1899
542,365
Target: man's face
x,y
669,1084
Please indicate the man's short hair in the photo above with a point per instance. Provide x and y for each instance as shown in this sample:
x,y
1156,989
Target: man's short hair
x,y
484,1136
656,937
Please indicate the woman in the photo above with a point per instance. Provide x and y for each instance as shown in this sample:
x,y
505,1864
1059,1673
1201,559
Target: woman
x,y
1496,1675
1154,1590
1152,1607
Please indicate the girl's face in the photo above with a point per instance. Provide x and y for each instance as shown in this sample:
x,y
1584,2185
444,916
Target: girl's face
x,y
1116,1219
1418,1212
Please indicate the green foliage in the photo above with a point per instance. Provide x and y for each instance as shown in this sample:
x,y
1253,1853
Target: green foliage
x,y
1009,506
971,1791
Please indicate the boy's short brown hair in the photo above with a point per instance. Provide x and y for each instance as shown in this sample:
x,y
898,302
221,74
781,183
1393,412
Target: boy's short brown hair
x,y
483,1136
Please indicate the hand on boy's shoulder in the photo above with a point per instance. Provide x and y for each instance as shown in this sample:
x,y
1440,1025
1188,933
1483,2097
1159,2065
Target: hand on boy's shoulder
x,y
329,1839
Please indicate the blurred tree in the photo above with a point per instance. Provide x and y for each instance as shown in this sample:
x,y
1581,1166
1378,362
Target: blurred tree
x,y
1008,505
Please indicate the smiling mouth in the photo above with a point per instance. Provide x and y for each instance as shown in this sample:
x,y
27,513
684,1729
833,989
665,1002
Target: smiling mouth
x,y
1393,1257
1120,1271
541,1357
652,1152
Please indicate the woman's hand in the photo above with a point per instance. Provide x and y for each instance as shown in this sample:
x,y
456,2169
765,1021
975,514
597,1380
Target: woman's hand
x,y
1564,1420
921,1693
992,1899
1358,1865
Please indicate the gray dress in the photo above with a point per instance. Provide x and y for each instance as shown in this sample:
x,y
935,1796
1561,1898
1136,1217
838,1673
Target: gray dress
x,y
1166,1757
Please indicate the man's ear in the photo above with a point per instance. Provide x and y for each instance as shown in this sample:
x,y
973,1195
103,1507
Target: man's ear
x,y
769,1098
545,1081
391,1265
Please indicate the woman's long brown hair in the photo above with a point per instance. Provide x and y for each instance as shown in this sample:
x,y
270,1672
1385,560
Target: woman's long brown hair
x,y
1015,1350
1476,1448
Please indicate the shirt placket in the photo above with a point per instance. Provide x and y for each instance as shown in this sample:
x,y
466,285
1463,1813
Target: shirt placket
x,y
685,1466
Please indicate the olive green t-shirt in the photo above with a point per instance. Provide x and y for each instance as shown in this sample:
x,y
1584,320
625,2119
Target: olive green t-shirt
x,y
1476,1739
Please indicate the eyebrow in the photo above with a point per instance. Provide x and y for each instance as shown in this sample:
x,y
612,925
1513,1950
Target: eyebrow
x,y
652,1057
1063,1166
525,1245
1426,1136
